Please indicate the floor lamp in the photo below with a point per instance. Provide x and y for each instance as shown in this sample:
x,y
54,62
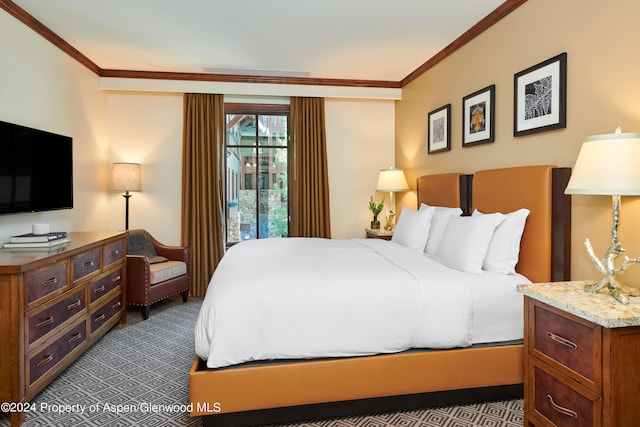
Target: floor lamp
x,y
126,177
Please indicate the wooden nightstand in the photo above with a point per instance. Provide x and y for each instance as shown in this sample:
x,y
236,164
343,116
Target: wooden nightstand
x,y
378,234
581,351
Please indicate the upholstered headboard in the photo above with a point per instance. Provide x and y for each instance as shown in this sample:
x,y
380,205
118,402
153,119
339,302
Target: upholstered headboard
x,y
449,189
545,245
546,237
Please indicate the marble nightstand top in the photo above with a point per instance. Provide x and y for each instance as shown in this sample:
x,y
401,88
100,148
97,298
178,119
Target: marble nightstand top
x,y
599,308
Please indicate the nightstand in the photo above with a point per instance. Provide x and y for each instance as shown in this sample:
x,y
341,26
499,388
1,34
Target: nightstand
x,y
378,234
581,352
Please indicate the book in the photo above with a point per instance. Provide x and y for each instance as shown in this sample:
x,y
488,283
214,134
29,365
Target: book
x,y
37,238
48,244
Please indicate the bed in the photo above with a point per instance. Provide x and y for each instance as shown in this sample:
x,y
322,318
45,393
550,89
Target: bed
x,y
243,391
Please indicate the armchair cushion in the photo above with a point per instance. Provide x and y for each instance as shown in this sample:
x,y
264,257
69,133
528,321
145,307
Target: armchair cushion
x,y
165,271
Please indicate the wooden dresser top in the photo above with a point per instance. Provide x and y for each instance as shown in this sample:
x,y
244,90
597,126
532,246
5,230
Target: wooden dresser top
x,y
16,260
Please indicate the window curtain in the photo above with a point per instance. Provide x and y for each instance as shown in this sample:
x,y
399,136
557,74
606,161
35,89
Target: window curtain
x,y
309,192
202,185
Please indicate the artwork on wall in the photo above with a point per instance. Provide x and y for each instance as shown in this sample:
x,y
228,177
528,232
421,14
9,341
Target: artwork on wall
x,y
540,97
439,132
478,117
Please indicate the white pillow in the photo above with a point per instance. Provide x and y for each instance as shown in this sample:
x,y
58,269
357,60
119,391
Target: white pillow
x,y
466,240
439,222
504,248
412,229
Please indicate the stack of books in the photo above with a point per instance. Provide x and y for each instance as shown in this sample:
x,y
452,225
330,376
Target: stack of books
x,y
31,240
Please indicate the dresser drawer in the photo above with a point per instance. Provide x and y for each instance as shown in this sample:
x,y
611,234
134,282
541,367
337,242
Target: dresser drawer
x,y
569,342
112,253
45,360
86,264
105,284
562,404
45,321
46,281
106,312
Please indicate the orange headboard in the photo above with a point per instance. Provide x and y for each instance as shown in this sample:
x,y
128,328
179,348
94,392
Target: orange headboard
x,y
532,187
449,189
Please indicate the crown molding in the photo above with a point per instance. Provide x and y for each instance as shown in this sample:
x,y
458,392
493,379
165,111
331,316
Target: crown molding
x,y
23,16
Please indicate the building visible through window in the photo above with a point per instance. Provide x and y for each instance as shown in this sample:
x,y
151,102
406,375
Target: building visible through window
x,y
256,175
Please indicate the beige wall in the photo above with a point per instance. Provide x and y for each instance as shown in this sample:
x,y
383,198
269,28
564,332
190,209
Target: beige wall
x,y
44,88
602,92
147,128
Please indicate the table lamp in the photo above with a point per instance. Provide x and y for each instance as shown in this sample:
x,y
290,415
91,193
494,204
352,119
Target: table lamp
x,y
391,180
126,177
608,165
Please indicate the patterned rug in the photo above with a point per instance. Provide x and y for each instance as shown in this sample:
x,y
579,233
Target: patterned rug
x,y
137,375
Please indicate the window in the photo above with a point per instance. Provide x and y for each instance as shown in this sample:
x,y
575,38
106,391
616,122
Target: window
x,y
257,172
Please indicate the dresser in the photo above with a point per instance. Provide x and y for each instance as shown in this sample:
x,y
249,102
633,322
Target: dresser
x,y
54,304
582,358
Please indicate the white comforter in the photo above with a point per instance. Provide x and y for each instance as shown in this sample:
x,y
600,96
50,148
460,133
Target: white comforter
x,y
306,298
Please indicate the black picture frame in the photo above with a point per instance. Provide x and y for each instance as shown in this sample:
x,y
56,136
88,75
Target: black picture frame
x,y
478,117
439,130
540,97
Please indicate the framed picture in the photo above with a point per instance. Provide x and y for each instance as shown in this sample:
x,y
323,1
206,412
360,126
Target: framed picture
x,y
439,133
540,97
478,117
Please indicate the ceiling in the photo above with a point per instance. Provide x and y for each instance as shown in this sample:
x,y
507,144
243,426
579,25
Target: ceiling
x,y
329,39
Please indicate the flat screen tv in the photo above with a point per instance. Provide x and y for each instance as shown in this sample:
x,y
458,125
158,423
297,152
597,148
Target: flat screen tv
x,y
36,170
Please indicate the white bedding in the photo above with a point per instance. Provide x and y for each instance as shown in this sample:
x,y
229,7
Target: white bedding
x,y
290,298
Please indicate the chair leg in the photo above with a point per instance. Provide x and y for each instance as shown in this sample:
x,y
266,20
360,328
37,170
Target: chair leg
x,y
145,312
185,295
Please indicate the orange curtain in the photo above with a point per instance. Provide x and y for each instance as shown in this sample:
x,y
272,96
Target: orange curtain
x,y
202,185
309,185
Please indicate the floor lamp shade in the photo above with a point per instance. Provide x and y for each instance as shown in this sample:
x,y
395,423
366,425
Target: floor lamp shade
x,y
126,177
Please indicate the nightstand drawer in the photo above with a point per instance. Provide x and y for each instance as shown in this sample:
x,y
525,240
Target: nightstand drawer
x,y
569,342
564,405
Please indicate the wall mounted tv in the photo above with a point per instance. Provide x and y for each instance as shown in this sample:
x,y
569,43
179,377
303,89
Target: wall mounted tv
x,y
36,170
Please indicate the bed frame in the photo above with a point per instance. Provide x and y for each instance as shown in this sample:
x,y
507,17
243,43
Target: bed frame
x,y
304,390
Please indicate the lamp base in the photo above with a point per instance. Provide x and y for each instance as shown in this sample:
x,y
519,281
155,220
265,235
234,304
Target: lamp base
x,y
606,266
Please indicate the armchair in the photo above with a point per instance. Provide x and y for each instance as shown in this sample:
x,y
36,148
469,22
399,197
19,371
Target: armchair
x,y
155,271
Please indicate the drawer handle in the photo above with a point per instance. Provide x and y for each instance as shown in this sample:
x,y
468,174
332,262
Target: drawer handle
x,y
45,322
45,360
116,305
76,303
114,252
100,318
49,282
560,409
116,279
75,337
99,289
565,342
88,264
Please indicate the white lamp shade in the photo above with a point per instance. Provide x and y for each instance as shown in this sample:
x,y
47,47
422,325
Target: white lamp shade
x,y
607,165
392,180
126,177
